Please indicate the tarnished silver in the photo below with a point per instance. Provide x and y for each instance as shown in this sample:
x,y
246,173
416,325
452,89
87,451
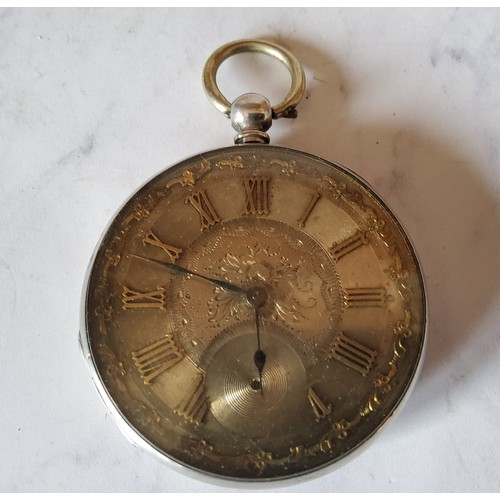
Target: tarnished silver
x,y
286,108
251,117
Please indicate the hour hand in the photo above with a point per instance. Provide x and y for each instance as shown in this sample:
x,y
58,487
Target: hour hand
x,y
174,267
257,296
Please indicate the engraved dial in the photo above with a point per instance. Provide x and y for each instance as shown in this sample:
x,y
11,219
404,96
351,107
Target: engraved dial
x,y
303,293
254,313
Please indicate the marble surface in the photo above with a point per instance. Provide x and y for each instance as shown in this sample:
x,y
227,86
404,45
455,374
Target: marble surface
x,y
94,102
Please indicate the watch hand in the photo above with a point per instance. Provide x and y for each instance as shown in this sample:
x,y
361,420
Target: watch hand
x,y
259,358
223,284
257,297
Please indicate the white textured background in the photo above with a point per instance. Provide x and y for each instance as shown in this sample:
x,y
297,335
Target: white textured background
x,y
94,102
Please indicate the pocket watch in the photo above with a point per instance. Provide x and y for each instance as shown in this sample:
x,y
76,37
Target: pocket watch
x,y
254,312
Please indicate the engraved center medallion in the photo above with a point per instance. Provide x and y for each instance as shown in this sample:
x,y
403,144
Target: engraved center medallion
x,y
295,274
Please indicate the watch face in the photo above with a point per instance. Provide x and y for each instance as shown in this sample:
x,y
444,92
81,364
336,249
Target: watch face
x,y
254,313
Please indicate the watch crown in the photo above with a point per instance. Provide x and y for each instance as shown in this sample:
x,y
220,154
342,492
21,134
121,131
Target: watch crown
x,y
251,117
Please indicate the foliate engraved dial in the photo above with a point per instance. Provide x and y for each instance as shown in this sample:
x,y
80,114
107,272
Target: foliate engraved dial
x,y
303,289
255,313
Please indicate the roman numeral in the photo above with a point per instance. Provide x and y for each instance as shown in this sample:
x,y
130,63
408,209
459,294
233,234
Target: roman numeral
x,y
132,299
194,406
348,245
207,213
364,297
156,358
173,252
353,354
319,408
257,200
307,212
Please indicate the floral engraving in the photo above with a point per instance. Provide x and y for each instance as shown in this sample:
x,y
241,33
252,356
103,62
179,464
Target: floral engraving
x,y
291,289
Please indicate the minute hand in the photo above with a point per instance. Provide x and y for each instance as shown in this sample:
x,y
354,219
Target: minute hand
x,y
175,267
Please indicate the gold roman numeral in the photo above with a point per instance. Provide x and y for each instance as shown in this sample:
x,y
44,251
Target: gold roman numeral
x,y
348,245
353,354
156,358
132,299
257,200
194,407
307,212
364,297
207,213
173,252
320,409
